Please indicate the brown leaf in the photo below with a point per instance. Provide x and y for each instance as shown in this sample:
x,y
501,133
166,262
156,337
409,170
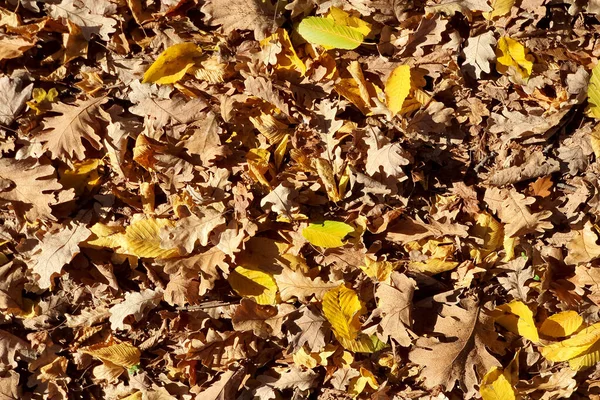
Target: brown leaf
x,y
192,229
136,304
463,355
309,328
29,184
233,15
536,165
293,283
263,320
394,304
583,247
56,250
513,209
13,95
10,346
63,134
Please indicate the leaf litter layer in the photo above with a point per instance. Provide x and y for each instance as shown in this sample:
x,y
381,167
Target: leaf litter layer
x,y
345,199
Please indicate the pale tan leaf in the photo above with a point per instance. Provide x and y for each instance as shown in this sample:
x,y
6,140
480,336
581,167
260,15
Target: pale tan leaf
x,y
64,134
136,304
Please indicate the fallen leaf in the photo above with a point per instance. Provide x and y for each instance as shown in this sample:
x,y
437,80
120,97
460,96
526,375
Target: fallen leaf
x,y
327,234
172,64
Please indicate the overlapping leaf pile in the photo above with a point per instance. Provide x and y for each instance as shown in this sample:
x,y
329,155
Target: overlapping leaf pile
x,y
248,199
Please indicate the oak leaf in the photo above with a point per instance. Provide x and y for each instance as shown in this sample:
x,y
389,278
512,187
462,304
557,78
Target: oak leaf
x,y
63,135
90,16
263,320
513,209
583,247
255,15
479,51
136,304
13,96
463,356
191,230
394,304
294,283
29,186
309,328
56,250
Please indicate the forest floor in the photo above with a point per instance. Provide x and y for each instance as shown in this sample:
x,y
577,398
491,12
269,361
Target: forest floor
x,y
238,199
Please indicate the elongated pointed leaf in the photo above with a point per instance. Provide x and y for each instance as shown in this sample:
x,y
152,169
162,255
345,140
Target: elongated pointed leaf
x,y
326,32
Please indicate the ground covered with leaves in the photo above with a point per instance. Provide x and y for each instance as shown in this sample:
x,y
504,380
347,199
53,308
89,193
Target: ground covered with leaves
x,y
246,199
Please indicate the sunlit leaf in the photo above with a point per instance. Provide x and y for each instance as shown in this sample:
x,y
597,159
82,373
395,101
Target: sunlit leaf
x,y
397,88
254,283
326,32
327,234
172,64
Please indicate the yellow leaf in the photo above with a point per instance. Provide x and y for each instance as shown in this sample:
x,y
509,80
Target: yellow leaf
x,y
440,253
495,385
254,283
327,234
304,359
562,324
501,7
590,358
329,34
172,64
518,318
343,308
141,238
593,93
287,59
397,88
573,347
83,175
258,165
512,54
134,396
359,384
378,270
122,354
343,18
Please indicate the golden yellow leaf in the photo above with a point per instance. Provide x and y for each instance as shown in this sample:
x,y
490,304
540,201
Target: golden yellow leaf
x,y
287,58
172,64
593,92
325,172
501,7
512,54
254,283
343,308
122,354
378,270
518,318
495,385
327,234
576,346
359,383
397,88
141,238
562,324
341,17
258,165
83,175
440,255
588,359
304,359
